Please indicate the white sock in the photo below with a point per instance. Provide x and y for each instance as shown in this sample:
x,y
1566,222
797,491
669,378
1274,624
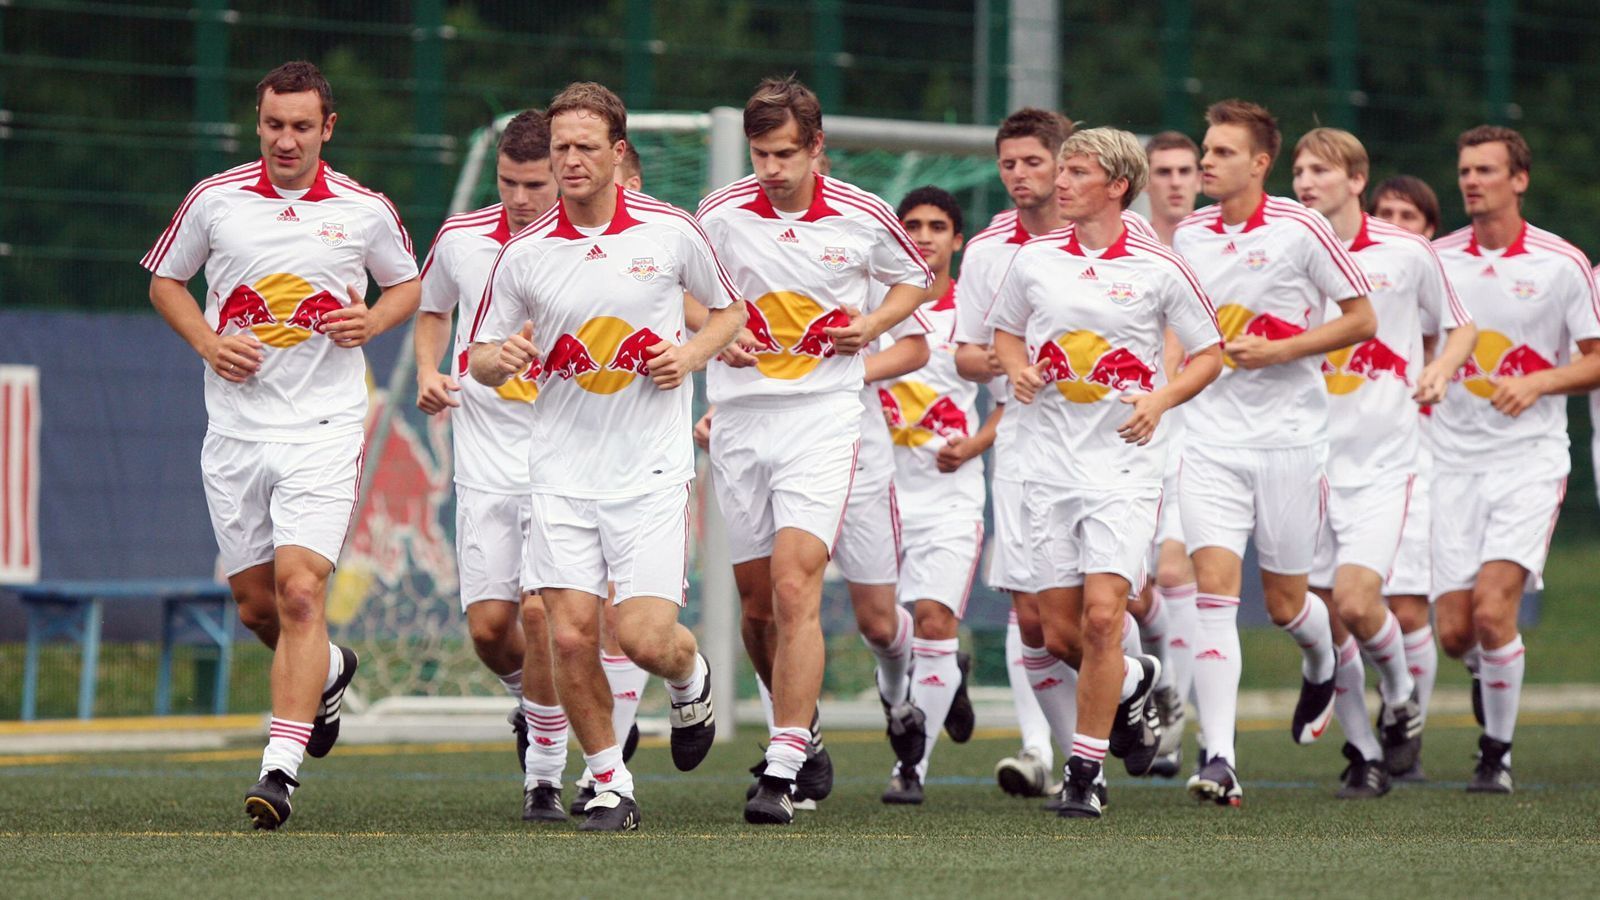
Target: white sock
x,y
335,667
1217,665
894,660
286,747
1132,674
689,691
766,702
934,680
786,751
1350,701
1501,672
1153,634
1422,658
1090,749
1030,718
1183,626
1312,632
546,759
1055,687
610,772
1386,653
627,683
512,683
1473,659
1132,645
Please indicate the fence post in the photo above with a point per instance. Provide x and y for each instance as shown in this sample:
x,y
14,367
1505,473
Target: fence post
x,y
429,139
639,68
1177,82
827,43
1497,60
1344,64
212,125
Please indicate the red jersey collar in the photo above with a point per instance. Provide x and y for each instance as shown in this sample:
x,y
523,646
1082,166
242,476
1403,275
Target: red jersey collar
x,y
1516,248
1362,240
1019,235
502,229
1118,248
620,220
318,191
819,208
948,301
1256,220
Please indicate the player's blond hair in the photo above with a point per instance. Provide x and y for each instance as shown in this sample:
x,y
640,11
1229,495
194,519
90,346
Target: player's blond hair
x,y
1336,146
592,97
1118,153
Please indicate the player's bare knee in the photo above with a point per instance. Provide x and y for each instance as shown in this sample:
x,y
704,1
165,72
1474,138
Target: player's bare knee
x,y
489,632
259,614
572,640
935,622
1494,623
875,627
1174,573
1412,612
300,598
790,616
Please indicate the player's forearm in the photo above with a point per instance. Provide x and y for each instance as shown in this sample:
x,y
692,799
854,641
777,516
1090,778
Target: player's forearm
x,y
1012,352
718,330
1203,368
177,306
429,339
1358,323
901,301
1577,377
1457,347
906,356
483,361
984,439
395,305
972,363
694,314
1172,354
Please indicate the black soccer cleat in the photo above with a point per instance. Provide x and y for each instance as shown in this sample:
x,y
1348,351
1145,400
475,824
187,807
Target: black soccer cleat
x,y
961,719
1173,715
907,730
1058,795
631,743
1136,730
694,728
1166,765
267,804
1413,775
1363,779
814,781
1493,773
610,811
519,727
543,804
585,794
1023,775
1079,798
325,727
1400,733
1313,711
1216,782
771,803
905,787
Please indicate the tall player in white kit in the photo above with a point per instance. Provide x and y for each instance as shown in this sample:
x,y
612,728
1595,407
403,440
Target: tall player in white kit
x,y
1374,452
1257,439
598,282
286,243
805,250
490,428
1501,442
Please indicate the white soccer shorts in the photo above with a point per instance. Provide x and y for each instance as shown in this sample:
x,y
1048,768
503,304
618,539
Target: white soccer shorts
x,y
938,563
1362,527
1010,553
868,551
784,467
1077,531
1412,572
263,495
491,537
1480,517
639,543
1228,494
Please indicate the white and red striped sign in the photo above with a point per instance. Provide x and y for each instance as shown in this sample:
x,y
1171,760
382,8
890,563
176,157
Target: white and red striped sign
x,y
19,474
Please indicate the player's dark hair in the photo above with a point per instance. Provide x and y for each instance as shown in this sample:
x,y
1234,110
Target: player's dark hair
x,y
295,77
775,101
631,166
1254,119
526,137
1172,140
1414,191
1050,128
591,96
930,195
1516,145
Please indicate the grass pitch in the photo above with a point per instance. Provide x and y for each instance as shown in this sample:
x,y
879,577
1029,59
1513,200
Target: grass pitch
x,y
433,820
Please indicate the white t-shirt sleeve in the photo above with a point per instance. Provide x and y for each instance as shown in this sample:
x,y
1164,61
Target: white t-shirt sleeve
x,y
389,256
972,304
506,305
1011,308
438,288
702,274
183,248
1581,300
1188,310
893,258
1436,300
1327,263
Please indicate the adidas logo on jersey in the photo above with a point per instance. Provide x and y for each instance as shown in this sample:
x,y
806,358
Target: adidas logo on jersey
x,y
594,253
1488,271
932,681
1230,249
288,215
788,237
1088,275
1209,654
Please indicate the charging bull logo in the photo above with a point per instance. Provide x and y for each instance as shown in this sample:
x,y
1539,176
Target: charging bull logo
x,y
281,310
834,258
520,388
332,234
1235,320
1084,367
1524,289
1495,357
790,332
1348,368
916,414
603,356
1256,260
642,268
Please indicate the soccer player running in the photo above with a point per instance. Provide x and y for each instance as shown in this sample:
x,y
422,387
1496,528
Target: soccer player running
x,y
1501,433
1374,441
490,430
1080,328
598,281
1257,440
939,493
805,249
1026,145
286,243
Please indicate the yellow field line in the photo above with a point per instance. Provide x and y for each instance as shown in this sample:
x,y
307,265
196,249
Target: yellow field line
x,y
131,723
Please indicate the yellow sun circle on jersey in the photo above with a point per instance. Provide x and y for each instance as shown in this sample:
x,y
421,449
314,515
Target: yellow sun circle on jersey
x,y
914,399
1231,319
603,335
786,314
518,390
1339,381
1487,353
283,292
1083,349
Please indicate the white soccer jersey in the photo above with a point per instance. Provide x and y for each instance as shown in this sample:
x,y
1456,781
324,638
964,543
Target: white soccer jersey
x,y
875,458
924,410
490,429
276,262
599,298
1373,426
1269,276
798,273
1095,324
1531,301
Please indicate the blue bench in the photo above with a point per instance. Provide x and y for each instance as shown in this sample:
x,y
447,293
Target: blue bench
x,y
190,608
